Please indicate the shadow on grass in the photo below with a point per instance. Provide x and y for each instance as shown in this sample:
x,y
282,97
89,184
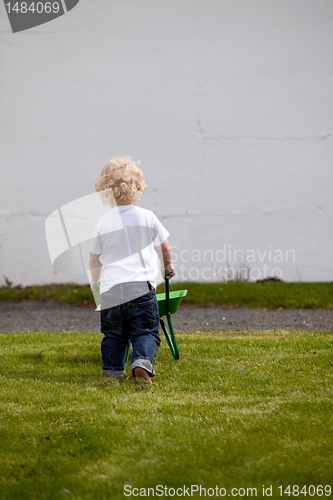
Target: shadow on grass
x,y
41,372
64,359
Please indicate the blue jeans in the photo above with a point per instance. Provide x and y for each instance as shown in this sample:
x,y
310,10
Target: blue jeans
x,y
136,321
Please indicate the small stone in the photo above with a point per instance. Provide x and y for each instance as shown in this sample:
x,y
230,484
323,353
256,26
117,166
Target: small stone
x,y
64,492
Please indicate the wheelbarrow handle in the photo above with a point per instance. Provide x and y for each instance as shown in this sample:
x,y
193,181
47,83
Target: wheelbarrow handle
x,y
167,273
171,341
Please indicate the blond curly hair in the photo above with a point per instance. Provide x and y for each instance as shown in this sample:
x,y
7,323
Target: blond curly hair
x,y
122,177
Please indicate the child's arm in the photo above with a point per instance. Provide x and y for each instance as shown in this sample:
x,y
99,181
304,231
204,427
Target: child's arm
x,y
95,270
165,256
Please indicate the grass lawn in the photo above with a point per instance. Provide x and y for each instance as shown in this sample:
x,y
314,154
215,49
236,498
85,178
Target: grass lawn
x,y
267,294
238,410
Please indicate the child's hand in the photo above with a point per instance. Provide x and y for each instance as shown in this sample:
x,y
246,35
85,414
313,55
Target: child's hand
x,y
95,285
172,269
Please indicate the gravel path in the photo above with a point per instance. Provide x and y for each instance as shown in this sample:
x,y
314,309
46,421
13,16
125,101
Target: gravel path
x,y
49,315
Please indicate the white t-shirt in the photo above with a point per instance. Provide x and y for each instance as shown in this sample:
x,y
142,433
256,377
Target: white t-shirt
x,y
125,238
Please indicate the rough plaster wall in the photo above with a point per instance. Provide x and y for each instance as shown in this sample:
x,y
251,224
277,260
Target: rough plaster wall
x,y
228,104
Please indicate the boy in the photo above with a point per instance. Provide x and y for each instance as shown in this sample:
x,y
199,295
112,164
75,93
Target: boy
x,y
124,254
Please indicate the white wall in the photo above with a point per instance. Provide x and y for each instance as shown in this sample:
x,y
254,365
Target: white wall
x,y
228,104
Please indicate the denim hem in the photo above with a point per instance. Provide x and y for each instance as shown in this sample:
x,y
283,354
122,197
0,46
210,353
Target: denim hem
x,y
143,363
113,373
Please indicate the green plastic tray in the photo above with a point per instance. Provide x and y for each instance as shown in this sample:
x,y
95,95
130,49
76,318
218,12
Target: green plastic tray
x,y
174,301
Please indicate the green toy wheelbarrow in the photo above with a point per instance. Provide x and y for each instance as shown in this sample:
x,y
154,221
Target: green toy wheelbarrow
x,y
168,304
